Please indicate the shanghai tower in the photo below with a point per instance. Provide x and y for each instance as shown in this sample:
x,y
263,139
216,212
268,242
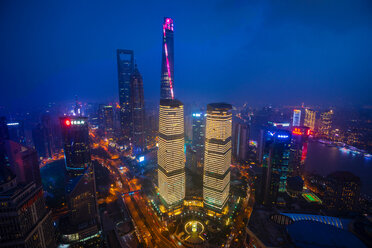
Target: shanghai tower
x,y
167,64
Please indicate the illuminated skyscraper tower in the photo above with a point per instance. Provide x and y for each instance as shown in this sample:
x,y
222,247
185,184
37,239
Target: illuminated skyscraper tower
x,y
325,123
171,156
217,159
167,64
125,60
296,118
310,119
75,135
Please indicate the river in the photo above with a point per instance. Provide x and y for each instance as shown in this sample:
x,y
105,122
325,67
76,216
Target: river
x,y
323,160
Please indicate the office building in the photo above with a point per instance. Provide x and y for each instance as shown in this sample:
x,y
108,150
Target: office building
x,y
240,139
325,124
310,119
171,156
276,145
80,227
216,178
75,136
167,63
125,61
296,118
24,219
300,136
198,137
138,112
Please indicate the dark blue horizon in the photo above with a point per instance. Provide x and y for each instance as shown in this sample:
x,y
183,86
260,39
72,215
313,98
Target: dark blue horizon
x,y
265,52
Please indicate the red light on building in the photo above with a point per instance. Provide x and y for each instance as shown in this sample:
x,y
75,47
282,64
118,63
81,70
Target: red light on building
x,y
67,122
308,132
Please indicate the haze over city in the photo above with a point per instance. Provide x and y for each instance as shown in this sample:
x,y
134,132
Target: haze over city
x,y
275,52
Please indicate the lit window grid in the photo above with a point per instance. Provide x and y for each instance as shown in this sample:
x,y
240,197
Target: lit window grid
x,y
217,163
216,199
171,120
218,126
171,189
171,154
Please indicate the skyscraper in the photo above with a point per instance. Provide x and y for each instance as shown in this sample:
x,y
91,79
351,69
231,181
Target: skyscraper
x,y
108,120
198,137
276,152
171,156
16,132
24,219
138,111
75,136
300,136
167,64
296,118
310,118
216,179
325,124
240,139
81,225
125,61
23,161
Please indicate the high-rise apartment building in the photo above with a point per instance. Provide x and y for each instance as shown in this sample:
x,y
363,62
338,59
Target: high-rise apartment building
x,y
325,124
296,118
198,137
167,64
217,159
138,111
75,136
24,219
125,61
171,156
310,119
276,152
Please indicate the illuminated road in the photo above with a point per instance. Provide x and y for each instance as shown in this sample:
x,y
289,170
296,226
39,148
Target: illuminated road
x,y
147,224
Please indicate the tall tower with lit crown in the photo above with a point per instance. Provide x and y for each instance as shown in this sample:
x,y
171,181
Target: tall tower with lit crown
x,y
167,64
217,159
171,156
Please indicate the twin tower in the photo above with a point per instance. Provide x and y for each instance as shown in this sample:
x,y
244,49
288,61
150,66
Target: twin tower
x,y
171,153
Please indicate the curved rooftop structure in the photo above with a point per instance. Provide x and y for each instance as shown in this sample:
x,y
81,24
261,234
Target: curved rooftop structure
x,y
309,234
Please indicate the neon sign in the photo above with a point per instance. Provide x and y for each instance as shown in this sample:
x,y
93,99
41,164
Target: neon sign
x,y
297,131
282,136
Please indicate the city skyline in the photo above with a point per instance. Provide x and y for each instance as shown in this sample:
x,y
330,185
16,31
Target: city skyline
x,y
264,137
327,55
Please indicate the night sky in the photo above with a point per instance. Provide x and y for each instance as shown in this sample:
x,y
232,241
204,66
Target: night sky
x,y
260,52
